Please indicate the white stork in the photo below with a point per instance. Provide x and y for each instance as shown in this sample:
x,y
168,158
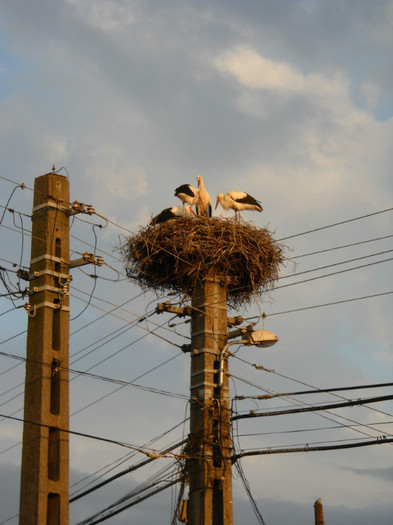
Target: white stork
x,y
173,213
238,201
204,204
187,194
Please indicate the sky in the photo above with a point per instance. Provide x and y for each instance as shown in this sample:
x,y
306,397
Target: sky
x,y
290,101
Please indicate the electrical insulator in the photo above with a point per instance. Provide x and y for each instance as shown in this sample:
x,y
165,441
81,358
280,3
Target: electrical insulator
x,y
90,209
99,261
27,307
23,274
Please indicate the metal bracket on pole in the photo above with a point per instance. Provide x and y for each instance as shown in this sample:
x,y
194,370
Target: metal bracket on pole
x,y
241,331
178,310
187,310
87,258
32,309
52,273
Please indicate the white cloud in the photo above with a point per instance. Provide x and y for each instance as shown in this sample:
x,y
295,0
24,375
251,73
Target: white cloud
x,y
256,72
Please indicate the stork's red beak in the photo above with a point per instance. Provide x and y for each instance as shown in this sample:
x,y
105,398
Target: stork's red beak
x,y
218,200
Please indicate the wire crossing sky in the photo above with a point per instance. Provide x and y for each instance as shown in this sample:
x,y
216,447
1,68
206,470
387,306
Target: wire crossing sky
x,y
290,101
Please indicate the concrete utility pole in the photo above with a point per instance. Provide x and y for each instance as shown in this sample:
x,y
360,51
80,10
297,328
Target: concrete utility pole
x,y
45,455
318,509
210,491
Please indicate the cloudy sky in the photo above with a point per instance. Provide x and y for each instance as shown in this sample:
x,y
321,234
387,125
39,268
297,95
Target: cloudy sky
x,y
288,100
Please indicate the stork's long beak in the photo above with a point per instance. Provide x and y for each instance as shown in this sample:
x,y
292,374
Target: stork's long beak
x,y
193,212
217,202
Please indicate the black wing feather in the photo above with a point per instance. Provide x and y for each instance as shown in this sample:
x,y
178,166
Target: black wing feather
x,y
249,200
185,189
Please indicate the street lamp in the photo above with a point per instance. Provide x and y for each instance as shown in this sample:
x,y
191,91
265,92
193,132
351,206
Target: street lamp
x,y
258,338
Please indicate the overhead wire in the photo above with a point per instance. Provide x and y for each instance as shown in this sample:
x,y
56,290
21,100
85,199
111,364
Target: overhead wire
x,y
96,519
335,224
139,318
337,416
379,441
313,230
105,359
330,274
94,280
332,303
315,408
109,467
318,391
335,264
247,488
92,376
128,470
105,396
324,415
148,452
313,429
302,234
350,245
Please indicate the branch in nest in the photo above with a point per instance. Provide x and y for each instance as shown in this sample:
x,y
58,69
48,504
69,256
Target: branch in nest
x,y
179,254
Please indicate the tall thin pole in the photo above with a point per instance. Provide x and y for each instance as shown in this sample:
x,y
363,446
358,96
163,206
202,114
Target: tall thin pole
x,y
45,454
318,510
210,497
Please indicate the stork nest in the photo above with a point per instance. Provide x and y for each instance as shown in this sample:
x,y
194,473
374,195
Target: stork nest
x,y
179,254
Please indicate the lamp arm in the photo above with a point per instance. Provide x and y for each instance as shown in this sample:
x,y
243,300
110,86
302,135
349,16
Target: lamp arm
x,y
221,358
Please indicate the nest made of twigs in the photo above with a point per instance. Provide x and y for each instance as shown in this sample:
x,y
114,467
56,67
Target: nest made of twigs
x,y
178,254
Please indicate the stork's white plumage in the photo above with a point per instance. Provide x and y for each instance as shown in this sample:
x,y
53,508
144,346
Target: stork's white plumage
x,y
204,204
172,213
187,194
238,201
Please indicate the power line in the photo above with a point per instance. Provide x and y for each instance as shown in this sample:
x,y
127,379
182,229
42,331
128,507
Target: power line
x,y
335,264
270,451
314,429
341,247
105,314
324,416
92,376
246,485
122,386
91,521
333,273
126,457
318,391
329,304
166,472
136,323
328,406
125,471
152,453
17,183
334,224
125,383
22,186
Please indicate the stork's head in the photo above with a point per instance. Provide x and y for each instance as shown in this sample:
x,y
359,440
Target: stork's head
x,y
189,211
220,196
